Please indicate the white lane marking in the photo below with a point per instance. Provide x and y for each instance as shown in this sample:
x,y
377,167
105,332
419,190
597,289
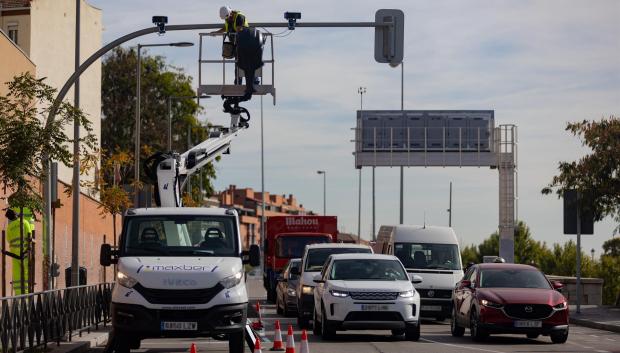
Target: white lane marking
x,y
599,351
458,346
610,339
593,336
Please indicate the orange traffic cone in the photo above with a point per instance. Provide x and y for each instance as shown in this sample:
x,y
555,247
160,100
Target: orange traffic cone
x,y
258,325
290,340
304,342
277,341
192,348
257,348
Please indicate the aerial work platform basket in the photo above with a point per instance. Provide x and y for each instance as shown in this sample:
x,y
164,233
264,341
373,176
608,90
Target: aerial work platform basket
x,y
210,84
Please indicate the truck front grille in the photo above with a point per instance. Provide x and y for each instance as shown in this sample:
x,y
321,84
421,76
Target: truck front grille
x,y
178,296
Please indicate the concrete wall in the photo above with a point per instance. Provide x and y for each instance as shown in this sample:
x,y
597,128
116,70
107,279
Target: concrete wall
x,y
591,289
53,50
13,61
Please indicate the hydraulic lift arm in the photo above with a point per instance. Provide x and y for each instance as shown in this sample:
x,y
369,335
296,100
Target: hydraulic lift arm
x,y
171,170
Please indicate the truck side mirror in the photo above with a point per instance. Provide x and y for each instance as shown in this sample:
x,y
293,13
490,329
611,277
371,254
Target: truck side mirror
x,y
295,271
254,255
107,256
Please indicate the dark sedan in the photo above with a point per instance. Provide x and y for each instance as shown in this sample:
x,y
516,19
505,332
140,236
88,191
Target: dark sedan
x,y
509,298
286,295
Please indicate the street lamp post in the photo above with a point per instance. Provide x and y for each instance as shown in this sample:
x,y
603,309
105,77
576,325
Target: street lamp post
x,y
361,92
137,122
324,190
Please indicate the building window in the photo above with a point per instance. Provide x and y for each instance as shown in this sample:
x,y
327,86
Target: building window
x,y
12,29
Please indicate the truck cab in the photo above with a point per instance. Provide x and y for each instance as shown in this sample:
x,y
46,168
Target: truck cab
x,y
179,274
431,252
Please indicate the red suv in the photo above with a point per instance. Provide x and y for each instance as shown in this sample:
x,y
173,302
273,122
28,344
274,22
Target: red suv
x,y
509,298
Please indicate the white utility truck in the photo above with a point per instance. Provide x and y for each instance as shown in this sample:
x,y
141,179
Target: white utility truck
x,y
431,252
180,270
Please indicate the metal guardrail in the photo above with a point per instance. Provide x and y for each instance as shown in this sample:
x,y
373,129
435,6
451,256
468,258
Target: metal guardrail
x,y
34,320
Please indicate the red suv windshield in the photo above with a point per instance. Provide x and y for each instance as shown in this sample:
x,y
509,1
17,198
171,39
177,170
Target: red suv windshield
x,y
507,278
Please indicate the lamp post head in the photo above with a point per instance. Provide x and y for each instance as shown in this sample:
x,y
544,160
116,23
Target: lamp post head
x,y
361,90
320,172
182,44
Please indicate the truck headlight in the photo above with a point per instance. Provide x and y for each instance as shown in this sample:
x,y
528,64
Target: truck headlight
x,y
291,292
125,280
339,293
306,289
232,281
406,294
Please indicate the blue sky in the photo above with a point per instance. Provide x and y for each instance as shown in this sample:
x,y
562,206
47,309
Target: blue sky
x,y
538,64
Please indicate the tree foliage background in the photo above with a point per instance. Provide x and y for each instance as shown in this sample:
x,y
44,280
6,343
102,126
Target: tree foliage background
x,y
159,81
26,138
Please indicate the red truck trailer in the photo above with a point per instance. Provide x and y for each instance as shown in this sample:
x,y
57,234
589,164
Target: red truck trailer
x,y
286,238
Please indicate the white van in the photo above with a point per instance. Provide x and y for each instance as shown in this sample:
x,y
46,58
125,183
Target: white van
x,y
180,274
431,252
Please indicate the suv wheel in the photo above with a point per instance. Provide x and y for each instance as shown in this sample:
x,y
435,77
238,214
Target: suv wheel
x,y
327,332
236,342
559,337
412,332
477,334
455,329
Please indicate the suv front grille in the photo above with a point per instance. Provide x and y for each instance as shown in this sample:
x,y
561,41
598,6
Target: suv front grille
x,y
528,311
178,296
374,295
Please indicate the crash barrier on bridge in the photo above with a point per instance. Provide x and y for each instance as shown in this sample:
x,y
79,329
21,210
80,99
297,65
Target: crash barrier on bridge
x,y
34,320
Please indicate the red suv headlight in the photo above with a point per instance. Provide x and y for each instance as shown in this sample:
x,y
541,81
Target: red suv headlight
x,y
562,306
490,304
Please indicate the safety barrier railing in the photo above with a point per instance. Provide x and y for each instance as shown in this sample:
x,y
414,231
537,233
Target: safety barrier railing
x,y
34,320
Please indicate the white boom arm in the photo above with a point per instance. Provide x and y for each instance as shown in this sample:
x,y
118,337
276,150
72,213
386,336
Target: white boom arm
x,y
173,172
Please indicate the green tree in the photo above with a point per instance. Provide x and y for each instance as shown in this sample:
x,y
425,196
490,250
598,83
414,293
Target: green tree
x,y
609,271
25,138
159,81
596,176
470,254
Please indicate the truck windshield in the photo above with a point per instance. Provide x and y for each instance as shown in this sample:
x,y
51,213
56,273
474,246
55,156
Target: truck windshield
x,y
180,236
317,257
428,256
292,246
367,270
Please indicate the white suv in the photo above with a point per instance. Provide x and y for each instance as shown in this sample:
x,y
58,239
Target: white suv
x,y
366,291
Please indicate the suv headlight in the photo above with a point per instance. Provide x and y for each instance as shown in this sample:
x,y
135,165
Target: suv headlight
x,y
406,294
490,304
306,289
561,306
125,280
232,281
338,293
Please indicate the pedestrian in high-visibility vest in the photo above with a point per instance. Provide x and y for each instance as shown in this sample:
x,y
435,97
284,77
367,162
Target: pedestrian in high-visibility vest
x,y
18,251
234,20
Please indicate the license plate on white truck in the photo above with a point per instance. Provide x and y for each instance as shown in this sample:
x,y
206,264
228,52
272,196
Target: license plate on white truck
x,y
179,326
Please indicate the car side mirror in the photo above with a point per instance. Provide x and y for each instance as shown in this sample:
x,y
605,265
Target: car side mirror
x,y
557,285
415,279
252,257
465,284
318,279
295,271
107,256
